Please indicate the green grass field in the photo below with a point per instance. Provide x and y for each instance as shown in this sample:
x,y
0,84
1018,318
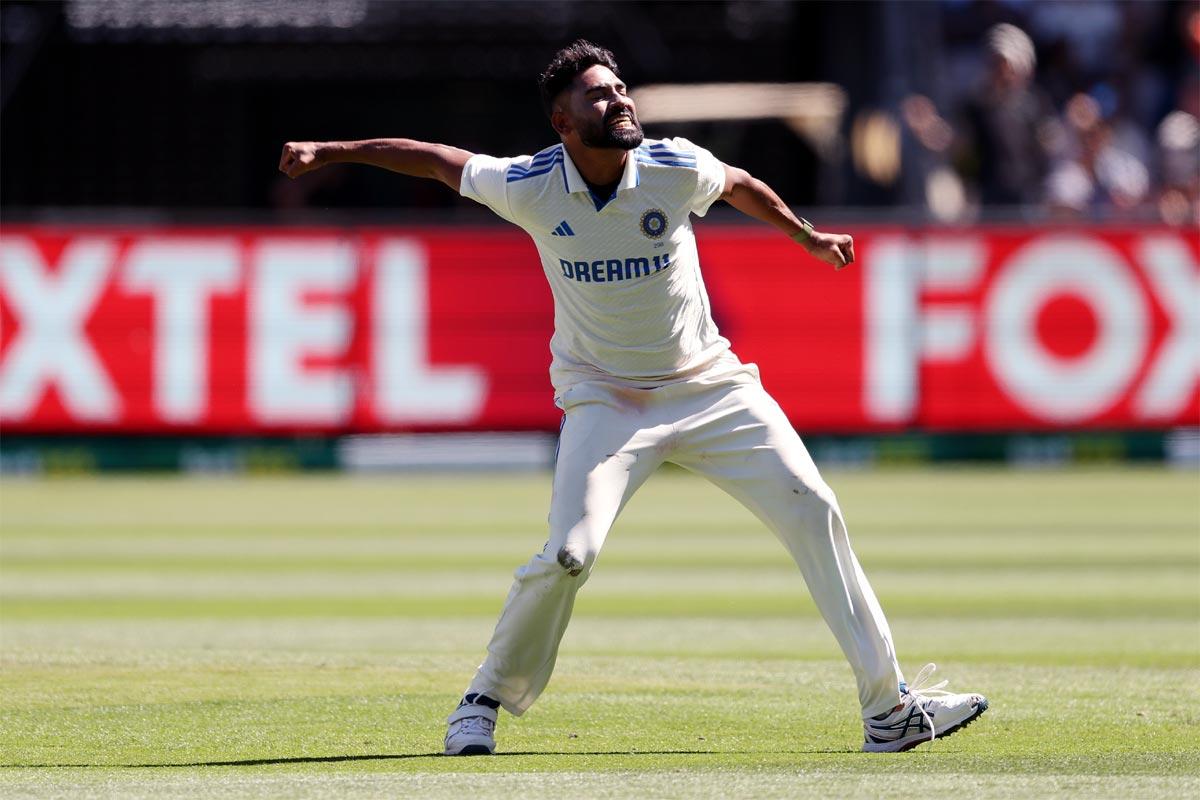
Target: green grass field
x,y
306,637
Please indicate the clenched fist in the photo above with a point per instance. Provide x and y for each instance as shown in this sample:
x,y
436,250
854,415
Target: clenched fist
x,y
299,158
832,248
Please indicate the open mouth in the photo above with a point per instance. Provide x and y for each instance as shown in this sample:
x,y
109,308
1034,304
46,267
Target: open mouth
x,y
622,120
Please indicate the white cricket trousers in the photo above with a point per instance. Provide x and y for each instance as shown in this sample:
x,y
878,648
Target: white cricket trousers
x,y
730,431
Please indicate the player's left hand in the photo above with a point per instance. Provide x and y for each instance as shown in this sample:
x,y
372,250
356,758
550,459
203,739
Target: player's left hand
x,y
832,248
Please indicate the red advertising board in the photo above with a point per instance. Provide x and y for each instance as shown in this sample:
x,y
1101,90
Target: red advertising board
x,y
259,330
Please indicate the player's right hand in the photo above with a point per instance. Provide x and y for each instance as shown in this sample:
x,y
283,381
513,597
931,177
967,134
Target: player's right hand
x,y
299,158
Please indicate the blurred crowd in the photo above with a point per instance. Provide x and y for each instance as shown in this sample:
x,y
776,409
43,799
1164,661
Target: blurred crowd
x,y
950,110
1086,109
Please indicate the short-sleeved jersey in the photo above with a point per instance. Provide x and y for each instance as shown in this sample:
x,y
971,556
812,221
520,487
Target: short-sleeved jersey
x,y
629,300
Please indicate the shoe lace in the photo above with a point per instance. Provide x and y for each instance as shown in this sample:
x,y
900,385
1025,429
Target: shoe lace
x,y
476,726
919,691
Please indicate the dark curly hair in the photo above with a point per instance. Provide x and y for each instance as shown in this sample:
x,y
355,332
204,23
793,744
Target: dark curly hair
x,y
569,62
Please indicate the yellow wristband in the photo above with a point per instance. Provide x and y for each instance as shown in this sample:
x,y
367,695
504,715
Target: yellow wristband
x,y
806,232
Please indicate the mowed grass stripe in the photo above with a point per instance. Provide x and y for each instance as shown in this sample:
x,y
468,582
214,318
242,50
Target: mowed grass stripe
x,y
530,523
331,641
628,546
342,643
767,604
1164,581
933,500
650,775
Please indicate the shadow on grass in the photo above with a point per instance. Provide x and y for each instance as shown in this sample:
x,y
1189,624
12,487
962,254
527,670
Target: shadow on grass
x,y
260,762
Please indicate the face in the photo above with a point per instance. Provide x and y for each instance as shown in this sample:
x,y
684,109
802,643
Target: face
x,y
596,108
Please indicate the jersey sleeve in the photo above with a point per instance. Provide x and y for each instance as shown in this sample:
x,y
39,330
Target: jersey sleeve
x,y
710,180
484,180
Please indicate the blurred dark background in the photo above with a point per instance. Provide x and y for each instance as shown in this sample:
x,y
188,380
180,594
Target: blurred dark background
x,y
182,106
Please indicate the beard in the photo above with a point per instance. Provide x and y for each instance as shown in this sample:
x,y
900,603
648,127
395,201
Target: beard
x,y
604,136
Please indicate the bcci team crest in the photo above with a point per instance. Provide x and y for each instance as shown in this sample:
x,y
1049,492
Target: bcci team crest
x,y
654,223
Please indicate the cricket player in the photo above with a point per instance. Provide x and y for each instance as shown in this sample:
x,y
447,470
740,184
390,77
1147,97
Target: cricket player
x,y
643,377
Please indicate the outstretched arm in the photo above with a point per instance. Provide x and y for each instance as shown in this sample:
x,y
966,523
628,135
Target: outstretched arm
x,y
755,199
406,156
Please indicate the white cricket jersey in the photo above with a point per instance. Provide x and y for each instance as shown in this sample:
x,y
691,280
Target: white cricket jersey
x,y
629,301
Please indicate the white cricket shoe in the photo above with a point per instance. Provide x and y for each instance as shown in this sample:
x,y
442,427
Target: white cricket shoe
x,y
472,730
926,713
